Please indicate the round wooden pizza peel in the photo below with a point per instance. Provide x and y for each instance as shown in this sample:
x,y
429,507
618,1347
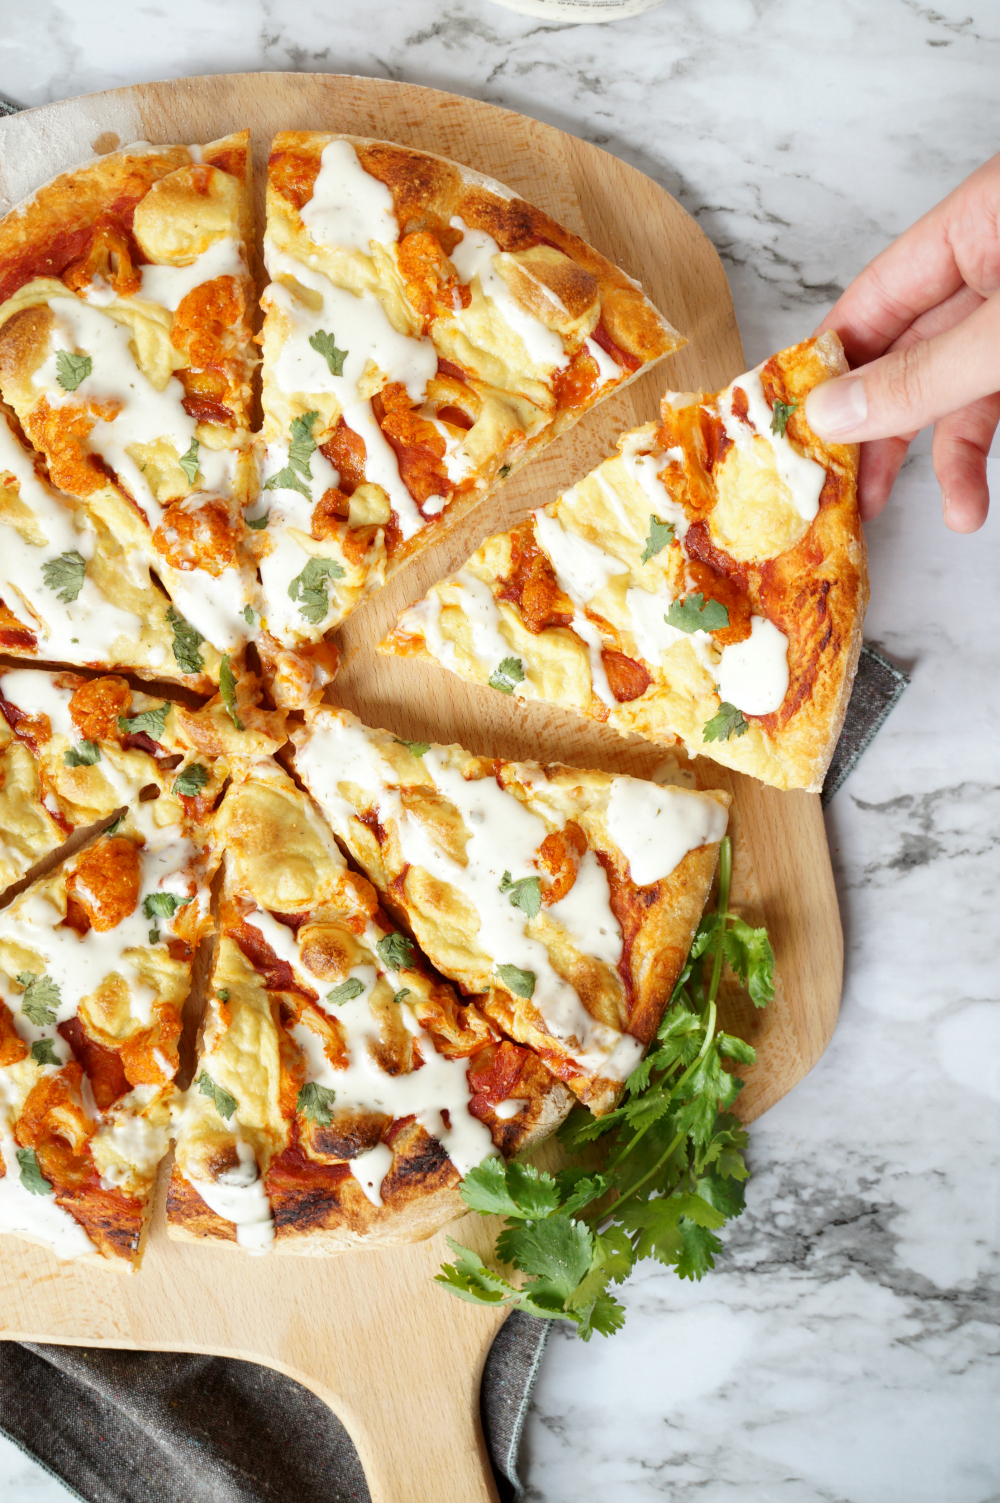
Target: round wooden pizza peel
x,y
396,1358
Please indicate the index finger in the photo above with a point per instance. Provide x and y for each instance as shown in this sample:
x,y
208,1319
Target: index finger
x,y
912,275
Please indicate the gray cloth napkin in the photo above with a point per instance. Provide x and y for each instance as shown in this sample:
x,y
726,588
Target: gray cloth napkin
x,y
150,1427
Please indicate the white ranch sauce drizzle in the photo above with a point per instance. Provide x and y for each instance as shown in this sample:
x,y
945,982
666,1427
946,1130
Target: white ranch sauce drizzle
x,y
170,285
140,1142
582,570
349,208
37,1216
146,414
424,619
87,628
803,476
489,644
238,1195
585,913
655,828
753,674
473,257
644,469
654,635
290,513
36,693
607,368
504,836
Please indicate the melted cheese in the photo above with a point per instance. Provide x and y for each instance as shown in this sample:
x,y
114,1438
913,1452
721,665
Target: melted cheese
x,y
86,629
480,611
644,469
170,285
655,828
753,674
803,476
238,1195
36,693
39,1217
349,208
472,258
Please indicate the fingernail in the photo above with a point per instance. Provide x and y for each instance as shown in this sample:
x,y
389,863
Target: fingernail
x,y
945,506
837,407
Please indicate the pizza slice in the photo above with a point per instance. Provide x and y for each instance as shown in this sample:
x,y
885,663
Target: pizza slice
x,y
125,352
426,332
569,898
73,750
706,585
340,1091
70,592
96,955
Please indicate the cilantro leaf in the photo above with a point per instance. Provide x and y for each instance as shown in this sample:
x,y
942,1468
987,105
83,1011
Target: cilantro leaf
x,y
43,1052
470,1279
259,523
302,445
395,952
606,1315
525,893
315,1102
325,345
346,991
727,721
83,754
72,369
186,643
506,675
557,1250
504,471
661,535
149,721
517,1190
415,748
309,588
190,780
189,461
223,994
780,415
248,615
163,904
520,983
32,1178
41,998
225,1104
227,688
405,992
284,480
65,575
751,957
695,613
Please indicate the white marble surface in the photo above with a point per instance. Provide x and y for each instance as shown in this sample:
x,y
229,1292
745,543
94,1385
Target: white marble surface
x,y
845,1351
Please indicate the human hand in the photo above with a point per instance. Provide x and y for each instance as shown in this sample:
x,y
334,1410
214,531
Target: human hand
x,y
922,322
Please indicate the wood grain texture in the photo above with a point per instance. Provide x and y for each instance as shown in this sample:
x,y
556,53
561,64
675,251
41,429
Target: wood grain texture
x,y
399,1361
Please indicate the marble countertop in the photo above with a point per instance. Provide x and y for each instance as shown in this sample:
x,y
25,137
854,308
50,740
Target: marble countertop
x,y
845,1349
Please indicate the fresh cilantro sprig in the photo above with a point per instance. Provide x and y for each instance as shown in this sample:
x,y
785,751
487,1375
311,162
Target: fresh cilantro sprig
x,y
309,588
779,417
227,688
65,575
41,998
415,748
83,754
189,461
672,1172
695,613
507,673
149,721
301,448
186,643
661,535
225,1103
727,721
315,1102
190,780
324,344
346,991
525,893
32,1178
395,952
43,1052
72,369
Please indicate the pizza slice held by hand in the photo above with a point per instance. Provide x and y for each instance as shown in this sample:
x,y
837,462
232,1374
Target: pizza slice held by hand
x,y
568,898
340,1091
705,585
125,353
426,332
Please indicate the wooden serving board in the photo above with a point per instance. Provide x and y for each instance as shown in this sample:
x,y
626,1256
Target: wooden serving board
x,y
395,1357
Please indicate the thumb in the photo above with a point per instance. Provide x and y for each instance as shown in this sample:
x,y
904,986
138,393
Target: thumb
x,y
913,386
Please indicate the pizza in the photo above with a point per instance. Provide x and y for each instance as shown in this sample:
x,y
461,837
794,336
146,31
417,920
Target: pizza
x,y
425,333
126,356
705,585
566,899
73,750
340,1090
96,954
70,591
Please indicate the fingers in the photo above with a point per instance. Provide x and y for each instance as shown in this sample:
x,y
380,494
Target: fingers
x,y
961,444
913,385
880,463
956,242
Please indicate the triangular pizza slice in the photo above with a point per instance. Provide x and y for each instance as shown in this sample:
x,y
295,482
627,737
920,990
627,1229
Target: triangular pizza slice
x,y
569,898
125,352
340,1091
706,585
96,955
426,332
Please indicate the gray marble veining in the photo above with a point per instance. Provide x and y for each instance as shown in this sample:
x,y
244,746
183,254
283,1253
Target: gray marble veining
x,y
846,1348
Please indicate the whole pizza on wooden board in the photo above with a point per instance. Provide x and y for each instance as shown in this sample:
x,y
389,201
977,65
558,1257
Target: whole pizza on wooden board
x,y
519,929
